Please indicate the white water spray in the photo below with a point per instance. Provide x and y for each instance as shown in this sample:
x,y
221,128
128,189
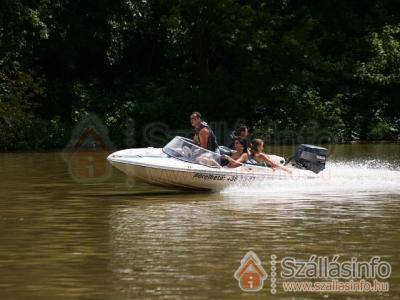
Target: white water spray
x,y
345,178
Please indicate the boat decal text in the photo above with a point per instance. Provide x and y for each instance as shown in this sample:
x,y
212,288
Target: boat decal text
x,y
232,178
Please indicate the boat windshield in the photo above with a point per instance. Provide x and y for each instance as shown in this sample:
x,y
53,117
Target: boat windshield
x,y
184,149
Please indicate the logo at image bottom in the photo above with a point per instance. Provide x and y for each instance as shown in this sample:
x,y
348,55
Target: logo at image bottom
x,y
250,274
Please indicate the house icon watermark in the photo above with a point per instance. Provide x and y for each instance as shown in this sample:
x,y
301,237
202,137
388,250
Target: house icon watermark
x,y
250,274
315,274
87,150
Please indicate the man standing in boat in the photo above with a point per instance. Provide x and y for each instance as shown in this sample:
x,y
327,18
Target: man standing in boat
x,y
204,136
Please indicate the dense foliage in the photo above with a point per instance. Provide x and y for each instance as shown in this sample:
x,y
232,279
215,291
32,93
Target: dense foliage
x,y
280,65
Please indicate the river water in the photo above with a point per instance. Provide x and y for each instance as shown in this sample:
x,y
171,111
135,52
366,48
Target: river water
x,y
67,238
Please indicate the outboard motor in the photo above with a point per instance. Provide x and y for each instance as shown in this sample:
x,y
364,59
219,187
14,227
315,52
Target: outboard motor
x,y
310,157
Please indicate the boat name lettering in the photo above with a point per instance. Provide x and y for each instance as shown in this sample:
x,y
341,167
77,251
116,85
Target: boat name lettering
x,y
209,176
232,178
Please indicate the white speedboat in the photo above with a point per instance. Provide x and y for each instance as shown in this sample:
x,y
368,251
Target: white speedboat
x,y
181,164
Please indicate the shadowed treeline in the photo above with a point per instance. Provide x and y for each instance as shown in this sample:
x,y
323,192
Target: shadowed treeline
x,y
279,65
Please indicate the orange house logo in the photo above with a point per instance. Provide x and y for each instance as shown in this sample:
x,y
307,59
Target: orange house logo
x,y
250,275
87,151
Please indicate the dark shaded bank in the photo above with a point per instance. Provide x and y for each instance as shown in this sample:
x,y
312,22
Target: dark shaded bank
x,y
289,69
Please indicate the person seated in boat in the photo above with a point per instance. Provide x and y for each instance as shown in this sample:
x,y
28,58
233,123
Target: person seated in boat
x,y
204,136
258,156
239,155
242,132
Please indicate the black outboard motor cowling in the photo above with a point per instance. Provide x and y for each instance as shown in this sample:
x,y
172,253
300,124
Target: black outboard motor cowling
x,y
311,157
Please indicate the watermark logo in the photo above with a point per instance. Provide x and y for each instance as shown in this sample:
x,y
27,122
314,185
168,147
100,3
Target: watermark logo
x,y
250,275
87,150
324,267
320,274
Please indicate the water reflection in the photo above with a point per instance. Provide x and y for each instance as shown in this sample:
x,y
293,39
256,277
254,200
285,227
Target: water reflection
x,y
197,244
60,239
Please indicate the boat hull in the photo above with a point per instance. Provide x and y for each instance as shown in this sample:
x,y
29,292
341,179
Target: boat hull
x,y
153,167
170,178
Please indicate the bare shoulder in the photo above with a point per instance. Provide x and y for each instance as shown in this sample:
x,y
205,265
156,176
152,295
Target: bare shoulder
x,y
204,131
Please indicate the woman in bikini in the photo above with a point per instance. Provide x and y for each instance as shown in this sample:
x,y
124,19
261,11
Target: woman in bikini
x,y
239,156
257,154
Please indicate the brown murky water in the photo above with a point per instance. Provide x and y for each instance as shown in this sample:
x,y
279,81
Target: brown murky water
x,y
122,240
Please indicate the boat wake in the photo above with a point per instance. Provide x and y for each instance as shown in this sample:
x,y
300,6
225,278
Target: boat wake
x,y
340,178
